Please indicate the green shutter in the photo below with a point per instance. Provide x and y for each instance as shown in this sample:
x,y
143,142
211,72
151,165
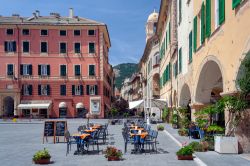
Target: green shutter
x,y
221,11
202,23
166,39
169,72
195,34
208,18
190,48
235,3
180,60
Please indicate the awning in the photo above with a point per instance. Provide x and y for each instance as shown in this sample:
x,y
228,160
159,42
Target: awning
x,y
135,104
62,105
79,105
34,104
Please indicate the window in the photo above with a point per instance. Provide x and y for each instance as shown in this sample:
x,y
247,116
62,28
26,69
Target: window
x,y
44,70
202,27
91,32
91,48
63,32
92,90
44,90
26,47
77,32
44,47
195,35
63,70
44,32
10,31
77,90
91,70
10,69
77,70
26,32
27,90
25,69
10,46
77,47
63,48
63,90
216,16
208,18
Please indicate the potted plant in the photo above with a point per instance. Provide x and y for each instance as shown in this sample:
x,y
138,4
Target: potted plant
x,y
185,153
160,127
42,157
174,121
235,107
113,154
183,132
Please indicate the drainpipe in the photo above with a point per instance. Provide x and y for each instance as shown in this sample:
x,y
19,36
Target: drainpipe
x,y
18,64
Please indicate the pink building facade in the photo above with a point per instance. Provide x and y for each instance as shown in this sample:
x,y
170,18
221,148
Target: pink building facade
x,y
54,67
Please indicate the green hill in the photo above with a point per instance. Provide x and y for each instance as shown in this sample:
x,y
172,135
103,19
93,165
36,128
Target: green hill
x,y
122,71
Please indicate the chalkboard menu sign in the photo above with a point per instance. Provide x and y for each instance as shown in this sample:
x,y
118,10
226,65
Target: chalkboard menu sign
x,y
49,128
54,129
60,128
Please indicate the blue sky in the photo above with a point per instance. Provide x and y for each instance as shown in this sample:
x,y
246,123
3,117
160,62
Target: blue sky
x,y
126,20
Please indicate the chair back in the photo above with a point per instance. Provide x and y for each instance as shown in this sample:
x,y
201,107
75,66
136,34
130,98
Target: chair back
x,y
67,135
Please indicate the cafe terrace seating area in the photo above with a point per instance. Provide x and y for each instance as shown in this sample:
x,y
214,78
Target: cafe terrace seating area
x,y
93,138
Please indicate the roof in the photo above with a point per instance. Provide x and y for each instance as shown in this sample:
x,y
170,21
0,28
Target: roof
x,y
49,20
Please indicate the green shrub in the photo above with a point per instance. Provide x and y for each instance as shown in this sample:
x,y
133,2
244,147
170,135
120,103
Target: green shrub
x,y
174,119
196,146
185,151
165,114
183,132
160,127
41,154
215,129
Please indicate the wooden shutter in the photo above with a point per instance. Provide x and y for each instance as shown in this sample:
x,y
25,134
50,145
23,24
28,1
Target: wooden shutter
x,y
30,69
235,3
48,90
96,90
87,89
81,89
73,90
48,70
190,46
6,46
30,89
39,70
169,33
39,90
202,23
14,46
21,69
221,11
180,60
208,18
22,91
195,35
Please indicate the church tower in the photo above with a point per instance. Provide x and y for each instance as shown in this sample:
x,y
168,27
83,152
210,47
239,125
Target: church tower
x,y
151,25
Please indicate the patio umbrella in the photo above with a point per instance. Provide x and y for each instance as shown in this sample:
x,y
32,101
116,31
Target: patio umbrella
x,y
159,103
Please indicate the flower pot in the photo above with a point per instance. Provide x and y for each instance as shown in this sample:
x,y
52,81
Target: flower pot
x,y
42,161
224,144
113,158
188,157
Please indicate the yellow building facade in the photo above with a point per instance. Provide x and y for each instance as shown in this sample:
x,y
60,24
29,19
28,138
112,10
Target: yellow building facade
x,y
218,42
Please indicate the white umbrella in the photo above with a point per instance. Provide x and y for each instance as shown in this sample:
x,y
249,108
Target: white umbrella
x,y
159,103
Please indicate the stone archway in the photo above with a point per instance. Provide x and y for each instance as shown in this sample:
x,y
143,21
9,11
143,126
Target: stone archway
x,y
209,88
210,82
8,106
185,100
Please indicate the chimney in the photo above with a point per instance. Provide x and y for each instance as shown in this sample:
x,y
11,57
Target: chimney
x,y
37,13
71,13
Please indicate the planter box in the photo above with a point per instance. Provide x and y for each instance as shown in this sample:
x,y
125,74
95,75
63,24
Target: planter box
x,y
224,144
113,158
42,161
190,157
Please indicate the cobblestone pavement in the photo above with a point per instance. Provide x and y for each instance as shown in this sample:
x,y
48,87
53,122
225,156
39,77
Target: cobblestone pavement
x,y
20,141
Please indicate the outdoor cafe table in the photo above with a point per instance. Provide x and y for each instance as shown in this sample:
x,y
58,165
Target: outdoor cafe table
x,y
79,137
138,143
90,130
96,126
